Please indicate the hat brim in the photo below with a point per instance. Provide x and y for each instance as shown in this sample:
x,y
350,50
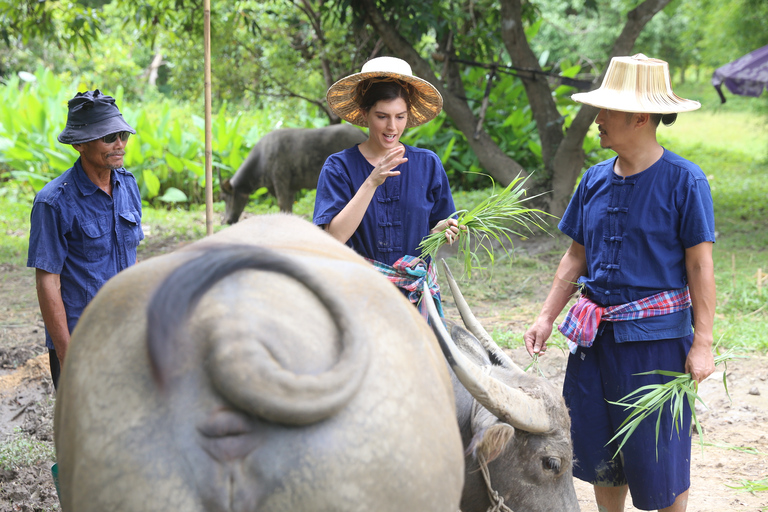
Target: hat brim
x,y
630,102
81,134
426,102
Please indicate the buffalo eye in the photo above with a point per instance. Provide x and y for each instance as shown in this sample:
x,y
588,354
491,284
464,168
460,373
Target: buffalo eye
x,y
552,464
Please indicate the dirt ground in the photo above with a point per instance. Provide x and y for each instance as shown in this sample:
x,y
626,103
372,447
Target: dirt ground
x,y
735,430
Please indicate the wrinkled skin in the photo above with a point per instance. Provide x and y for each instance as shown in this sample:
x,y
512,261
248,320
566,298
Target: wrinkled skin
x,y
285,162
125,442
533,473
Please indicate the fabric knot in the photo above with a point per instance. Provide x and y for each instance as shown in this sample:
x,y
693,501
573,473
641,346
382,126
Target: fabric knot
x,y
410,273
581,322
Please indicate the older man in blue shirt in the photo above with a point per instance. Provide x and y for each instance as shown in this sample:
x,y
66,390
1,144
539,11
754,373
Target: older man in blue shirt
x,y
642,226
85,224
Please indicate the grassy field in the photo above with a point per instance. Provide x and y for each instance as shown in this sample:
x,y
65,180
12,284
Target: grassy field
x,y
730,142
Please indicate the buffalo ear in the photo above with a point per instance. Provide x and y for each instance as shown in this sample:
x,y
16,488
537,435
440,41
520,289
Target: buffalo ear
x,y
226,186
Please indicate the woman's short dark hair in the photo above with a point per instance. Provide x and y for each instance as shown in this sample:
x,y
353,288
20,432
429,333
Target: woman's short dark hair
x,y
370,92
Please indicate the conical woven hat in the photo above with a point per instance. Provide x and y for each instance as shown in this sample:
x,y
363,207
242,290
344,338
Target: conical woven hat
x,y
344,96
637,84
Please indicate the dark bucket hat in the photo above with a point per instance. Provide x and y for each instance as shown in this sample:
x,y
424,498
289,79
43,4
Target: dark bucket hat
x,y
91,116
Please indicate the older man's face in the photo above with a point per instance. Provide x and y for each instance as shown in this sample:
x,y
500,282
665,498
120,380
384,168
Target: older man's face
x,y
616,129
102,156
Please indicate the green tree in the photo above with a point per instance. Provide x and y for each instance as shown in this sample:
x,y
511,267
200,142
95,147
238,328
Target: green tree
x,y
480,25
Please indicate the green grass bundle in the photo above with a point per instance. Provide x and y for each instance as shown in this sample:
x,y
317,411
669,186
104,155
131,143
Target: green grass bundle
x,y
653,398
490,220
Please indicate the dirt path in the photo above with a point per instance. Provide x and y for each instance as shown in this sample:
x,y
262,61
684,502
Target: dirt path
x,y
736,432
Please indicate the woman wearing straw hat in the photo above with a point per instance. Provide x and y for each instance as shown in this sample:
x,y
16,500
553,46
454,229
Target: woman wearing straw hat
x,y
382,197
642,225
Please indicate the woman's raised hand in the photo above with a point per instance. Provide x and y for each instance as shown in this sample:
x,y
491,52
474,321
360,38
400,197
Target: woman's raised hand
x,y
385,168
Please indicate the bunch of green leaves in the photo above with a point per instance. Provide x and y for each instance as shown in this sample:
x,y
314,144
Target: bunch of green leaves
x,y
654,398
488,222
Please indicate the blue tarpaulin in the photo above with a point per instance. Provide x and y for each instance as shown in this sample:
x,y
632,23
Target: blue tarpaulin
x,y
746,76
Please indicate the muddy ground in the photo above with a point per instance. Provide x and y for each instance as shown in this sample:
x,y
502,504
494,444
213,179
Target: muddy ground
x,y
735,430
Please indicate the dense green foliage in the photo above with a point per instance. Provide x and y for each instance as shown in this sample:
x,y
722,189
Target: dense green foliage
x,y
166,155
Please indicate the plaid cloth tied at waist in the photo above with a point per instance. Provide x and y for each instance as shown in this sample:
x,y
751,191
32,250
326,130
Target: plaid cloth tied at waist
x,y
581,322
409,273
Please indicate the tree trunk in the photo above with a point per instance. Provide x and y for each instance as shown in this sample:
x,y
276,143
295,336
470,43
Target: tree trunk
x,y
494,161
562,153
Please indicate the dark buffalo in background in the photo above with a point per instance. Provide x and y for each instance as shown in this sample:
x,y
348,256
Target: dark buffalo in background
x,y
274,370
285,161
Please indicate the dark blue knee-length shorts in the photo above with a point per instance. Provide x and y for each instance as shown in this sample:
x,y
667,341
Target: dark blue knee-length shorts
x,y
606,372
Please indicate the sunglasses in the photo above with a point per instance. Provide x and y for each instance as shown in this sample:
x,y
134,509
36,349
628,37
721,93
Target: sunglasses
x,y
112,137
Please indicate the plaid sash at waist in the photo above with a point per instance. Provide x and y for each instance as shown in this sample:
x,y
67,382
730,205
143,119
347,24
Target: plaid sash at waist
x,y
409,273
581,322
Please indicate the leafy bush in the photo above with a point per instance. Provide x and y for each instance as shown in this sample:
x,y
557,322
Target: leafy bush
x,y
166,155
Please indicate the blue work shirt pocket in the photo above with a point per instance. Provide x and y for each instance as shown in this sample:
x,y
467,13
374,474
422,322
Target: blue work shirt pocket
x,y
97,240
130,222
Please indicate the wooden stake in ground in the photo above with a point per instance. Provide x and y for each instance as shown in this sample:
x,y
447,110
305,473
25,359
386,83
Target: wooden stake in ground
x,y
208,137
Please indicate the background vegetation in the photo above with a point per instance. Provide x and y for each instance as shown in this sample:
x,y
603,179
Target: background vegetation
x,y
507,107
273,60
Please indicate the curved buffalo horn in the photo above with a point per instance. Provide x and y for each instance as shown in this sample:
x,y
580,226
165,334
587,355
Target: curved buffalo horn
x,y
510,405
474,326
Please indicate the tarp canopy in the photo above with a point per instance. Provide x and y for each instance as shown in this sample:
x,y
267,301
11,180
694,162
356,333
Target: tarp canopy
x,y
746,76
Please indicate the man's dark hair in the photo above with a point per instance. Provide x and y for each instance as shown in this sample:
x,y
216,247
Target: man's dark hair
x,y
667,119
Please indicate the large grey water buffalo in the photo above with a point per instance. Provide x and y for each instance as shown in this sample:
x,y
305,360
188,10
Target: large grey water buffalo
x,y
265,368
285,161
515,426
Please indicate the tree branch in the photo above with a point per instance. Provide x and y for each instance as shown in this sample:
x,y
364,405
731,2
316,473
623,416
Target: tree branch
x,y
503,168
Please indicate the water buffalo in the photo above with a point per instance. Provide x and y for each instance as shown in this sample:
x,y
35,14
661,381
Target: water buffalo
x,y
265,368
515,426
285,161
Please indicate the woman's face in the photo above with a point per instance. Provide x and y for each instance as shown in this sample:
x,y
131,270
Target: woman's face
x,y
386,122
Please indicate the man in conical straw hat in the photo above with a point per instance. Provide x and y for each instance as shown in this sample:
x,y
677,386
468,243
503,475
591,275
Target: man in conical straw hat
x,y
642,226
382,197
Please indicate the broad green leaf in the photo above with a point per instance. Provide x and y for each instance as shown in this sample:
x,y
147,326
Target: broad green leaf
x,y
151,183
173,195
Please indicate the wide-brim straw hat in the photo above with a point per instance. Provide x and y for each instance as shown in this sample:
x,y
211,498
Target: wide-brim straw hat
x,y
345,95
637,84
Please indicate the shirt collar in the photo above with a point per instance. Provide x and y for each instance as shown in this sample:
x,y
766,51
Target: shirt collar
x,y
84,183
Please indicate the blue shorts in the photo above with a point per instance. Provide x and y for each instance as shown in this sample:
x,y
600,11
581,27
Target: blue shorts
x,y
604,372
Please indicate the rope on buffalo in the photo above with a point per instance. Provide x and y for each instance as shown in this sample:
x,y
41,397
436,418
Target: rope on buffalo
x,y
497,502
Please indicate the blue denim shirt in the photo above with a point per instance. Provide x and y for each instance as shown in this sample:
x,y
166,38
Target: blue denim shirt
x,y
403,209
635,231
81,233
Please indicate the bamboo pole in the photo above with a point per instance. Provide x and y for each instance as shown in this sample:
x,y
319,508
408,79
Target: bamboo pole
x,y
208,136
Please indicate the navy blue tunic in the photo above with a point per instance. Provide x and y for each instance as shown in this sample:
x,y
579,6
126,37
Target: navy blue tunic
x,y
403,209
635,231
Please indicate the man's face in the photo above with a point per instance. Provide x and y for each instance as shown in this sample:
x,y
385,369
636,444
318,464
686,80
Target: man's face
x,y
615,128
102,156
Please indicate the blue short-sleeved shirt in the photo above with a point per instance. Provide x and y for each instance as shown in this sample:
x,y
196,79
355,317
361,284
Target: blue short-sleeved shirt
x,y
81,233
403,209
635,231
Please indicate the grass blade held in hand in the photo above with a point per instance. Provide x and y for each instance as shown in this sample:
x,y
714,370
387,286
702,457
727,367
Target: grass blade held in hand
x,y
489,221
652,398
